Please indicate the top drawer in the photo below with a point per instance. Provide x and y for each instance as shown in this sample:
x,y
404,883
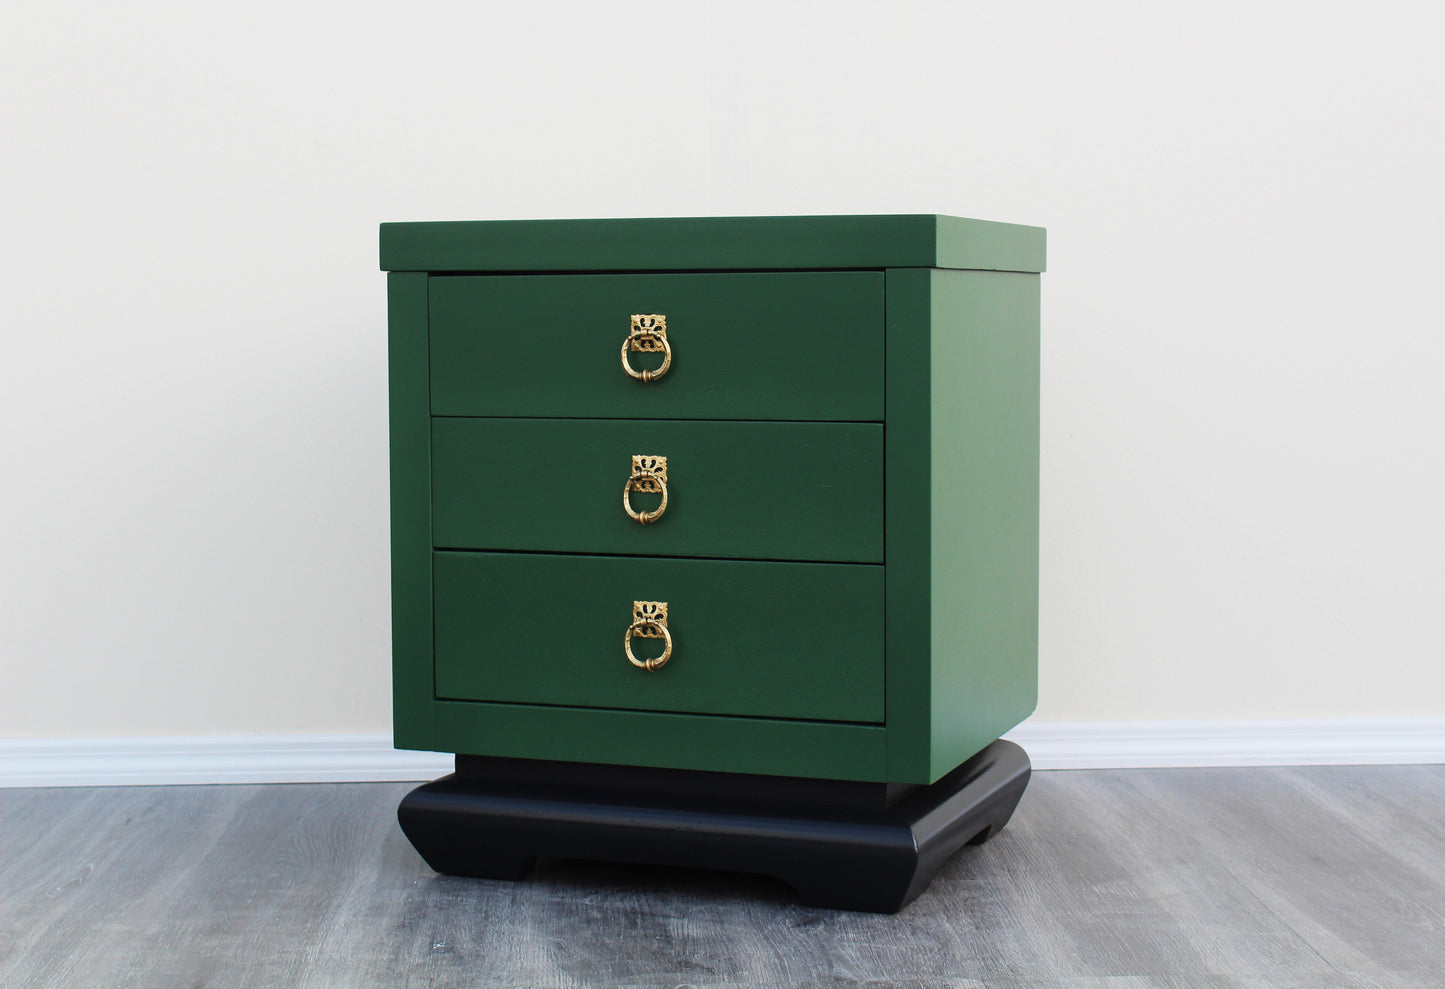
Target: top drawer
x,y
782,345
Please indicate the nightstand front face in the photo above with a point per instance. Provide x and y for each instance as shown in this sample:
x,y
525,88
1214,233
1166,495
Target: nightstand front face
x,y
773,491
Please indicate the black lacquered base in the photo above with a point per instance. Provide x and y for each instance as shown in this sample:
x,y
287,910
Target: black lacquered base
x,y
850,846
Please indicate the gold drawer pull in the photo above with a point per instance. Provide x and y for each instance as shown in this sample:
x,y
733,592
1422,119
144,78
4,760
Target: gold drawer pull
x,y
647,336
649,475
649,621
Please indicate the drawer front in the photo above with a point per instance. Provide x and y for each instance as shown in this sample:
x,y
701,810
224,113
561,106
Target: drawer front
x,y
805,345
777,640
747,490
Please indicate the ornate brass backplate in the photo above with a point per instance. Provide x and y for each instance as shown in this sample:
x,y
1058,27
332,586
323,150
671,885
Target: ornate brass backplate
x,y
652,615
648,334
648,474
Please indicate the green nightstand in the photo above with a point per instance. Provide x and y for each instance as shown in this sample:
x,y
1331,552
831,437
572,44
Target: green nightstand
x,y
715,540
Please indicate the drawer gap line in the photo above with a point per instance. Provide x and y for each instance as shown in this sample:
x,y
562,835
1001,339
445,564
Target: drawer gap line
x,y
656,556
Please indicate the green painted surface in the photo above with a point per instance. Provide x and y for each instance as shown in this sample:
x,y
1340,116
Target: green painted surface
x,y
984,568
712,243
907,533
962,513
823,750
411,605
745,346
987,246
947,626
750,490
778,640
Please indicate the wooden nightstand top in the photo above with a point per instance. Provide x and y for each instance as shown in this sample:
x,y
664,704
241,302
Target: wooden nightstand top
x,y
920,240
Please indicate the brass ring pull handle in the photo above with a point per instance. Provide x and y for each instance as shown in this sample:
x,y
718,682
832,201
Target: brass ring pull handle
x,y
649,474
649,621
640,629
648,335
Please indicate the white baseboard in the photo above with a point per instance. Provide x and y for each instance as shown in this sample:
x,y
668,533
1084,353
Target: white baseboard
x,y
1050,744
213,759
1284,742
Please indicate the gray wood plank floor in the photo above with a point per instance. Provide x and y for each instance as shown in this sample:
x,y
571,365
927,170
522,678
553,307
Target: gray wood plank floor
x,y
1136,879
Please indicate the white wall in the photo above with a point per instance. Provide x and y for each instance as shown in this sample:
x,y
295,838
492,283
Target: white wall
x,y
1243,479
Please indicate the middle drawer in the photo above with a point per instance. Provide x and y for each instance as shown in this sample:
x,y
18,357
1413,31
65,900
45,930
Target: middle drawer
x,y
744,490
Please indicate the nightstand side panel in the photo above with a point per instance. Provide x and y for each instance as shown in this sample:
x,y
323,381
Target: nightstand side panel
x,y
984,568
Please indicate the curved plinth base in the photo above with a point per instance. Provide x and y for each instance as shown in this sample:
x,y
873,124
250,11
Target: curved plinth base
x,y
850,846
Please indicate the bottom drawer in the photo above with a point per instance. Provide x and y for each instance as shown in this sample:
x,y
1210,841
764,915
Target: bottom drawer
x,y
778,640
